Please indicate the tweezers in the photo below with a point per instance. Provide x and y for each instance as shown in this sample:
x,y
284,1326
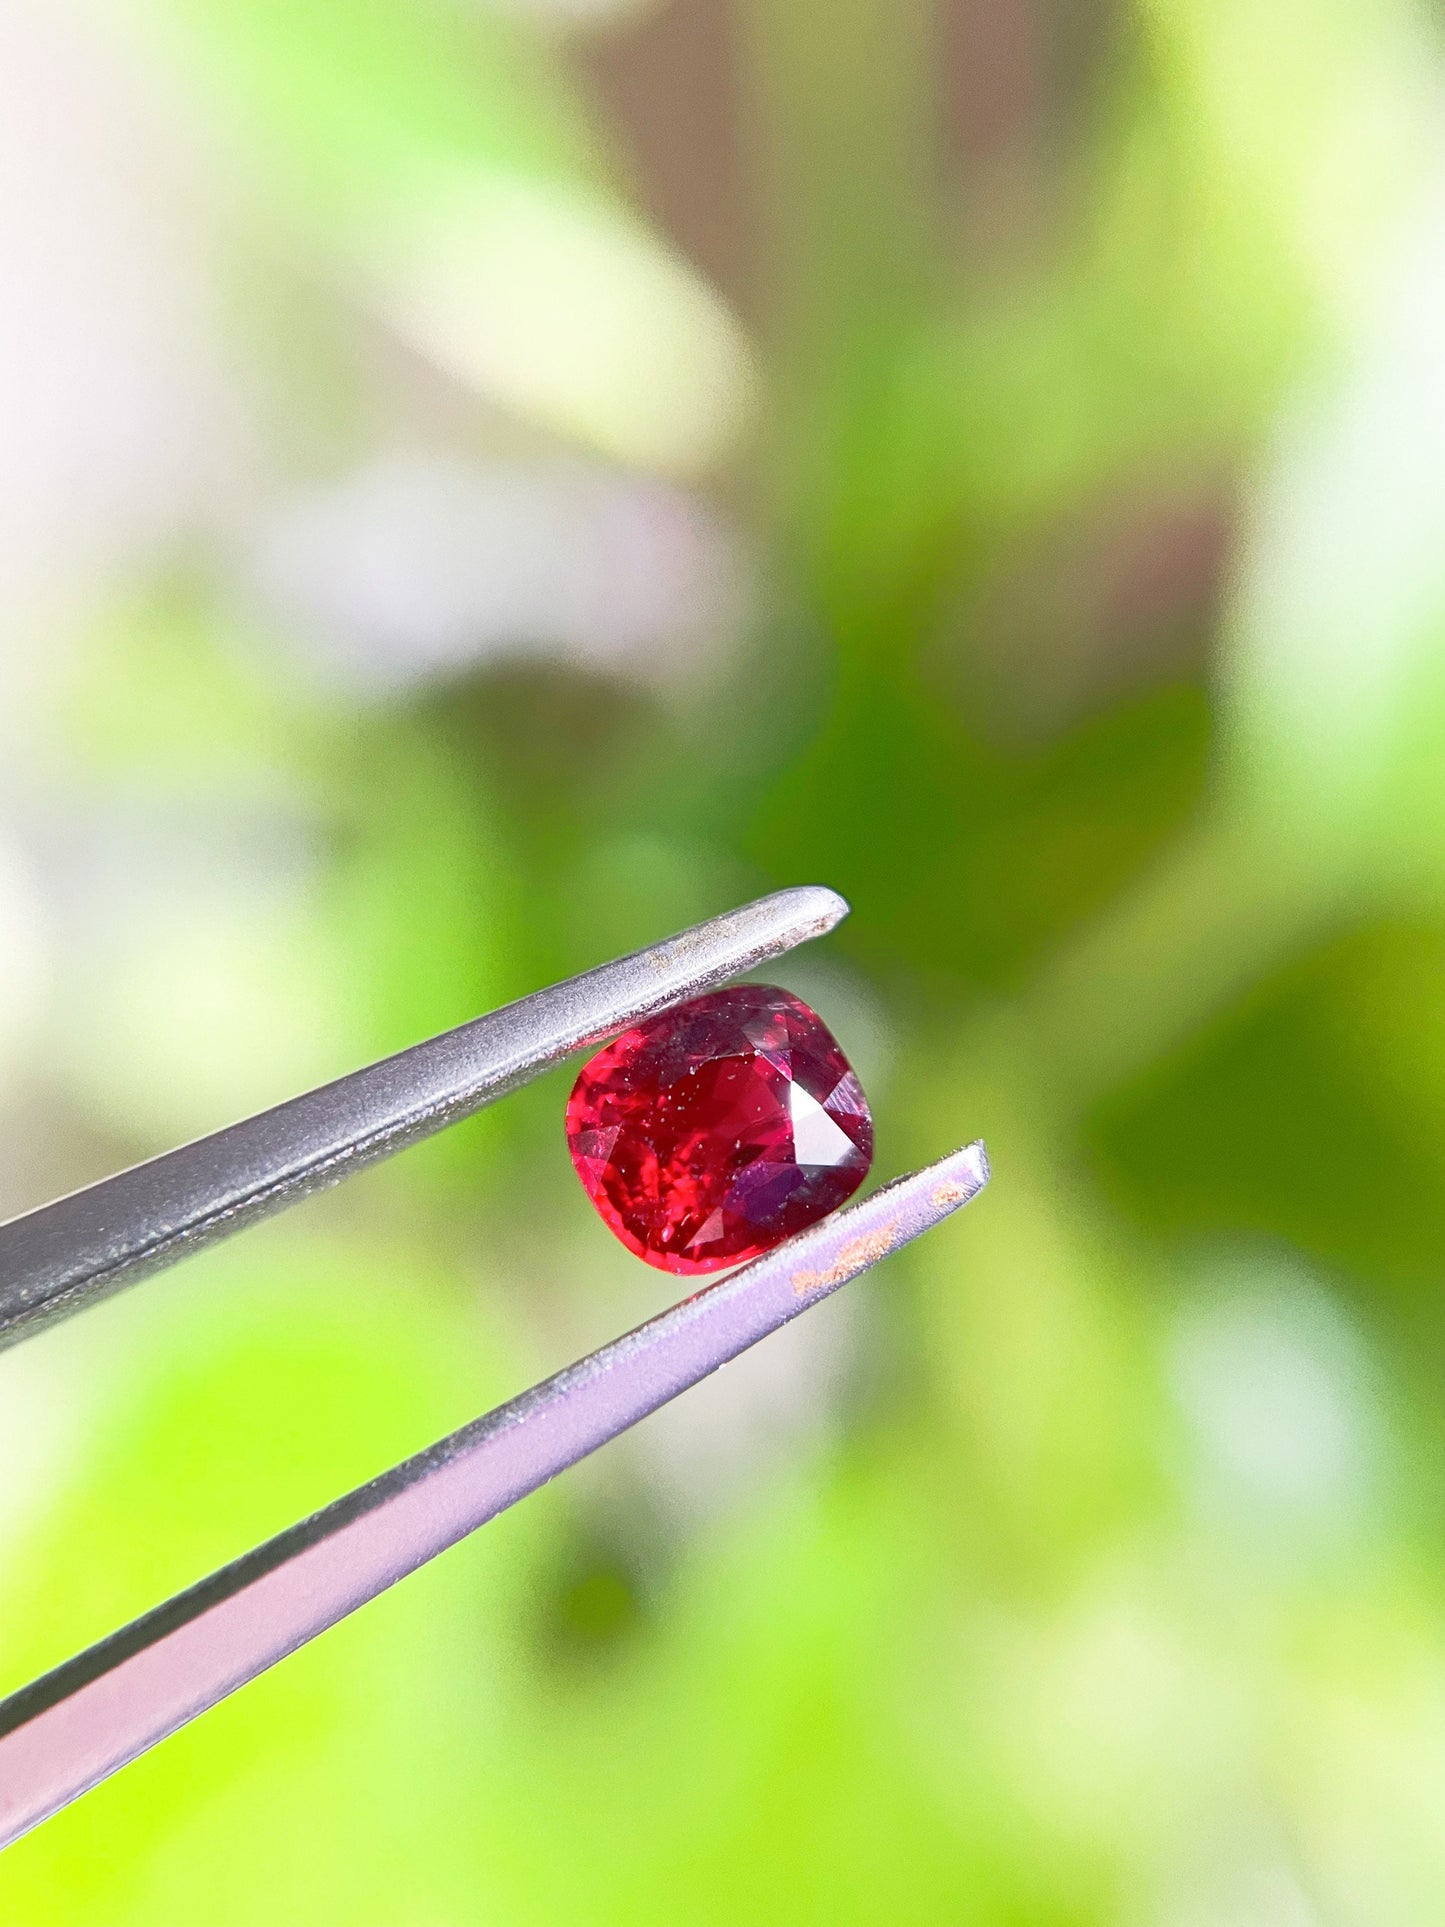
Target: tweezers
x,y
78,1724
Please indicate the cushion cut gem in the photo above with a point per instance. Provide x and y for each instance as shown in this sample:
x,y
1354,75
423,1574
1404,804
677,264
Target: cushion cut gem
x,y
714,1131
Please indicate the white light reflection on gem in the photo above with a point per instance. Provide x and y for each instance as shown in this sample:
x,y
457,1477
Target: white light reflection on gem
x,y
816,1138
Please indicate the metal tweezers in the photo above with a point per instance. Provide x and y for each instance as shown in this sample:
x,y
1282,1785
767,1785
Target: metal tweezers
x,y
76,1725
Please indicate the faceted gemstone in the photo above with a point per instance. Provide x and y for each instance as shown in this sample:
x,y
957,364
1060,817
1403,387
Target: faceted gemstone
x,y
711,1133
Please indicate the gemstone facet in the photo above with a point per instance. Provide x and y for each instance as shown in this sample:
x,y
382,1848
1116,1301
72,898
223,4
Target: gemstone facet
x,y
712,1132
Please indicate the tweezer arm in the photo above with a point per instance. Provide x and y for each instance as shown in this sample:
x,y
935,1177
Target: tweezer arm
x,y
80,1723
66,1255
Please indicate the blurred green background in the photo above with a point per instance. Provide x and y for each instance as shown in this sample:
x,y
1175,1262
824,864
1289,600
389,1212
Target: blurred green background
x,y
483,485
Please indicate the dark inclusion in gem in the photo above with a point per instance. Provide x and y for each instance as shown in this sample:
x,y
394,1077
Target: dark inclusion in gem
x,y
714,1131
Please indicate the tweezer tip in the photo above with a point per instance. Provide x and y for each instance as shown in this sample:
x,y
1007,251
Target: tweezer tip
x,y
957,1178
820,908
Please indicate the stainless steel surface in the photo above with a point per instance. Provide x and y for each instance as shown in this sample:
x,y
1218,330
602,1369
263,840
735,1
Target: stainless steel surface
x,y
66,1255
80,1723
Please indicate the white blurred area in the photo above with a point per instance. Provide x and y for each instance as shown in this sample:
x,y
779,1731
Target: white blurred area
x,y
120,422
420,564
1333,664
1273,1382
133,427
561,307
1267,1895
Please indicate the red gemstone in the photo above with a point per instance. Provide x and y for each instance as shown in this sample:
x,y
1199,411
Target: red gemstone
x,y
713,1132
